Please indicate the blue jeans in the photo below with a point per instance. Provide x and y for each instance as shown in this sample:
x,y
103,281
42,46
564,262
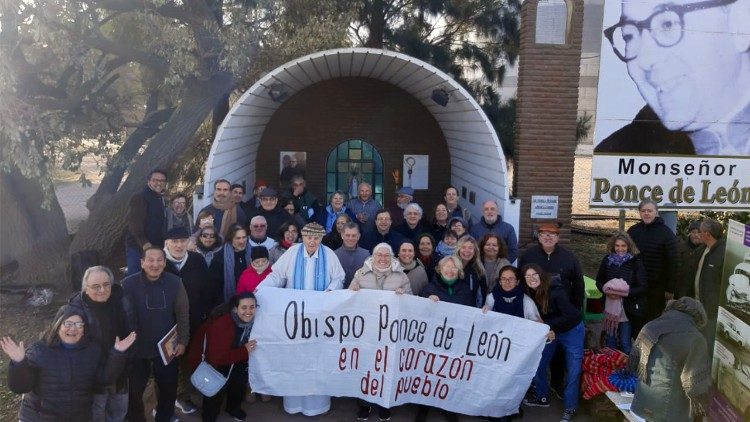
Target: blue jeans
x,y
133,259
624,334
571,342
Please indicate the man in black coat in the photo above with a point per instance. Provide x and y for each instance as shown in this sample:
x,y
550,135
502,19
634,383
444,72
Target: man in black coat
x,y
147,220
107,315
193,271
658,246
556,259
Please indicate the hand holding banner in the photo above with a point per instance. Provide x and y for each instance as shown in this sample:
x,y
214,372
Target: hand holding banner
x,y
393,349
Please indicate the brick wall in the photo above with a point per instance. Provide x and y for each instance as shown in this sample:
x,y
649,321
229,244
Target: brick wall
x,y
325,114
546,118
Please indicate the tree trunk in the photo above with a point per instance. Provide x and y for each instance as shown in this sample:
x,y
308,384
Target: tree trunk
x,y
35,237
376,28
119,162
104,228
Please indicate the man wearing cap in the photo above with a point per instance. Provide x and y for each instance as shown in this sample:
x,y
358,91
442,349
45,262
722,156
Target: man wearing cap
x,y
557,260
253,203
404,197
307,266
364,207
688,246
491,222
223,208
383,232
350,255
258,233
193,271
270,210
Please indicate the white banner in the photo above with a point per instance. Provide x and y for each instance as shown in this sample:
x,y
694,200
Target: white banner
x,y
392,349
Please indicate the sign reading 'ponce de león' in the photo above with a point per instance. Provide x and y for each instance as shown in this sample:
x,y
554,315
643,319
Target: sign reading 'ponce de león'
x,y
393,349
673,105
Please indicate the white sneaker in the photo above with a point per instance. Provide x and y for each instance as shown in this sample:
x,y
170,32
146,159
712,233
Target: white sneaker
x,y
186,406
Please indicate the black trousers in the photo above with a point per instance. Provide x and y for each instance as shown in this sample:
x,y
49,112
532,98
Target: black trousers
x,y
234,390
166,384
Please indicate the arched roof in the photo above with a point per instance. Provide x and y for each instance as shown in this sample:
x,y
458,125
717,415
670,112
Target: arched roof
x,y
477,159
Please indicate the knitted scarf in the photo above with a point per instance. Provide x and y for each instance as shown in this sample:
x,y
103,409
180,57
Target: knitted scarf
x,y
230,284
246,327
445,250
320,269
449,284
409,267
617,260
229,217
613,310
178,263
509,303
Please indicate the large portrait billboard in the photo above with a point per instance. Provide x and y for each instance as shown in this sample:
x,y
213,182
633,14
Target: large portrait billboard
x,y
673,107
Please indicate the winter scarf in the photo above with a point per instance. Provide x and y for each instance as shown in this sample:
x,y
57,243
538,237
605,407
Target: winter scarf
x,y
230,284
229,217
445,250
320,269
246,327
449,284
409,267
613,310
617,260
509,303
178,263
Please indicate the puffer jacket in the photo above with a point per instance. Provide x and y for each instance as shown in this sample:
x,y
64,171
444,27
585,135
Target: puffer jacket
x,y
58,384
393,279
634,274
658,246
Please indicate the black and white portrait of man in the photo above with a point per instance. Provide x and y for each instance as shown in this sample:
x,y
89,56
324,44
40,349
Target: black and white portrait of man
x,y
690,63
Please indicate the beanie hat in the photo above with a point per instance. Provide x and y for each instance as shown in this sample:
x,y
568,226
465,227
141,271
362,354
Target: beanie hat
x,y
257,252
178,233
313,229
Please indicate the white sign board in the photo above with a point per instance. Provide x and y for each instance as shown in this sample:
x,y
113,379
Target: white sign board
x,y
391,349
544,206
416,171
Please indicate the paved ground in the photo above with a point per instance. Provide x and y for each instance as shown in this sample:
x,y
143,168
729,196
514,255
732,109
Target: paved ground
x,y
344,409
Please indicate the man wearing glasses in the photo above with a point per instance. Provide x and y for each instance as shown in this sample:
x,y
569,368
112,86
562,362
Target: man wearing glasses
x,y
147,220
270,211
691,64
159,301
101,302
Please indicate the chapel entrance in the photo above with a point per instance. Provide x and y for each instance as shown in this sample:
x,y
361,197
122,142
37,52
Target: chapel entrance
x,y
352,162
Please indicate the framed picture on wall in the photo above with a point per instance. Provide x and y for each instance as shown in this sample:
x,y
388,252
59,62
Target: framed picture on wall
x,y
291,163
416,171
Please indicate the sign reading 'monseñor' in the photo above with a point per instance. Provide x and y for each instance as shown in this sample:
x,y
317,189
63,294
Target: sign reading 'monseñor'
x,y
392,349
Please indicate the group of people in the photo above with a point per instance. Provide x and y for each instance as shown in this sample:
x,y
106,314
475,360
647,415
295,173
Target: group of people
x,y
200,277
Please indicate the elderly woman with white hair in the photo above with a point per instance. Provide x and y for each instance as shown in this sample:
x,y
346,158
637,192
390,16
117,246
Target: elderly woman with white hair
x,y
413,224
381,271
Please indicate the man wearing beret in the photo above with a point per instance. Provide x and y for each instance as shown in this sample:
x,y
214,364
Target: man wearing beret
x,y
307,266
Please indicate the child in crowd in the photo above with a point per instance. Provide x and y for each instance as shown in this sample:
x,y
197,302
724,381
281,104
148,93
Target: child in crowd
x,y
257,271
447,246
